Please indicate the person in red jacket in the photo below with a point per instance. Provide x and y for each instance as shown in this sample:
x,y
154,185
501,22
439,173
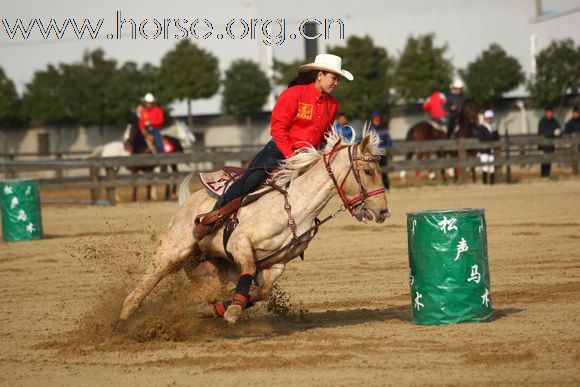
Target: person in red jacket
x,y
151,120
435,107
302,115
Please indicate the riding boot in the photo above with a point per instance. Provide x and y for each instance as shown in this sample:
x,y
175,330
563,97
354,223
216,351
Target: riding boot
x,y
492,178
484,177
205,223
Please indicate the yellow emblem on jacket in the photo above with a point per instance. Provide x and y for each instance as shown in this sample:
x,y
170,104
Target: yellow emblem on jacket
x,y
304,111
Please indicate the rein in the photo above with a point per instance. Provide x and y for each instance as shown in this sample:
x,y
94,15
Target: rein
x,y
349,205
352,204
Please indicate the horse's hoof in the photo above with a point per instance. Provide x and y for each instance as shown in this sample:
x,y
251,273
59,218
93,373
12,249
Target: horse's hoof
x,y
205,310
233,313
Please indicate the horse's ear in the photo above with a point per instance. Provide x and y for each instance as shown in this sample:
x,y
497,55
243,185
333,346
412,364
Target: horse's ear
x,y
364,144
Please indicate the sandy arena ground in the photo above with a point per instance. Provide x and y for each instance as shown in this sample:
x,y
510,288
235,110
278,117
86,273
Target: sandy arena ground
x,y
341,317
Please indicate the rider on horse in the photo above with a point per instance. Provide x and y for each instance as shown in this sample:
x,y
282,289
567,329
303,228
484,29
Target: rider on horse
x,y
434,106
454,105
301,116
151,121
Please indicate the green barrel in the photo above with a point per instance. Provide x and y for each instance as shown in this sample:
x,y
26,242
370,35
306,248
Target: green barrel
x,y
448,266
21,217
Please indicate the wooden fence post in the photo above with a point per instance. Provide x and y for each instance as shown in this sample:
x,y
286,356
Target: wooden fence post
x,y
575,153
11,174
58,172
111,173
94,175
462,158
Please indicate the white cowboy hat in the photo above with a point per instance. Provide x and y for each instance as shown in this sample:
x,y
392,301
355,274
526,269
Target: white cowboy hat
x,y
458,84
149,98
488,114
327,62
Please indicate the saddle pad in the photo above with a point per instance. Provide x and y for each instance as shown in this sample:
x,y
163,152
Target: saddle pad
x,y
217,182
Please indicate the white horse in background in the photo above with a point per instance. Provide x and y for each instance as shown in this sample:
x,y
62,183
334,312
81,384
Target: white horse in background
x,y
178,130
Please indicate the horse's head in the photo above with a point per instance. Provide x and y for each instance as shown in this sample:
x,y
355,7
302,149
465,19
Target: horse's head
x,y
361,189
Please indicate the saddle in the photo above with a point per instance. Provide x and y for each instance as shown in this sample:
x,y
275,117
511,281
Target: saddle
x,y
216,183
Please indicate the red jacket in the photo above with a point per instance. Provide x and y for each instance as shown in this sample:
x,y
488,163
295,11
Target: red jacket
x,y
154,115
435,105
301,116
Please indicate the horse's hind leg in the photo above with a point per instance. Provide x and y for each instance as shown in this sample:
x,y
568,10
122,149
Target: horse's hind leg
x,y
175,248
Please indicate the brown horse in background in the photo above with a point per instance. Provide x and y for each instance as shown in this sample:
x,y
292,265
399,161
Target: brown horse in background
x,y
465,127
424,131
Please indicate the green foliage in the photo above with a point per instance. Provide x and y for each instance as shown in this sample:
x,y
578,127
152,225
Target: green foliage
x,y
285,72
90,88
10,109
372,70
131,84
94,91
246,89
558,73
421,67
188,72
491,75
44,98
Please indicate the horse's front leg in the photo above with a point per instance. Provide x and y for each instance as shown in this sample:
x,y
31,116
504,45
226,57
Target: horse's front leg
x,y
265,279
243,253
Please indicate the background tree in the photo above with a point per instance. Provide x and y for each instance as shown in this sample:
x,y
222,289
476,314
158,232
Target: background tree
x,y
246,90
421,67
372,70
10,106
558,73
188,73
491,75
45,100
285,72
131,84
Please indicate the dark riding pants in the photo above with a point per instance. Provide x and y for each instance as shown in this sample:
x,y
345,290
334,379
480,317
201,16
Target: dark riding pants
x,y
266,159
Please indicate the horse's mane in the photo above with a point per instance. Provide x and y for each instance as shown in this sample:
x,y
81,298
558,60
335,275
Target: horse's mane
x,y
308,156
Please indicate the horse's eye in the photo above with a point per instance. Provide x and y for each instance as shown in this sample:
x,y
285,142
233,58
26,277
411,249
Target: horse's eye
x,y
369,172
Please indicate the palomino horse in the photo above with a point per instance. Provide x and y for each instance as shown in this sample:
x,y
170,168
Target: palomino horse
x,y
279,223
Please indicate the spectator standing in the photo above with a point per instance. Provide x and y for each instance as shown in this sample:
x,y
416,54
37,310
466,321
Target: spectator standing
x,y
386,142
487,132
454,104
151,121
435,107
549,127
573,125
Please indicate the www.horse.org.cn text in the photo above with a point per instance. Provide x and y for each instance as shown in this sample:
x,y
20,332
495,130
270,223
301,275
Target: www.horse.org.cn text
x,y
269,31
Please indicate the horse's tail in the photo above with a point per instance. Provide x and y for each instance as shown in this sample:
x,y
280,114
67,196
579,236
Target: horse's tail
x,y
97,153
184,191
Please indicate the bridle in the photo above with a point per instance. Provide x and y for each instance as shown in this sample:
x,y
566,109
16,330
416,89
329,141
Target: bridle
x,y
353,205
